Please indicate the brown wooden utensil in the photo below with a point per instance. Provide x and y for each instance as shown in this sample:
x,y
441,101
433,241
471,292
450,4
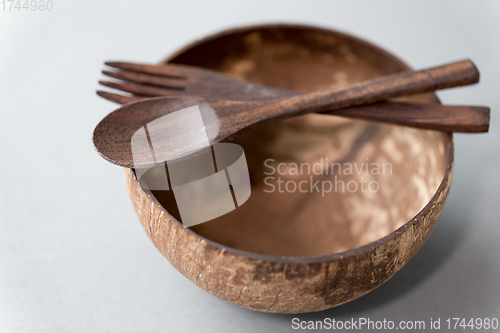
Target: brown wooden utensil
x,y
448,118
224,120
179,80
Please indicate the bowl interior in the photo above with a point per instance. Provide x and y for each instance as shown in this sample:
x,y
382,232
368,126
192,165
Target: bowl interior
x,y
379,175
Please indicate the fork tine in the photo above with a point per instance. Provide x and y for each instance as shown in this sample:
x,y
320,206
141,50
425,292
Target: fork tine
x,y
139,89
120,99
170,70
136,77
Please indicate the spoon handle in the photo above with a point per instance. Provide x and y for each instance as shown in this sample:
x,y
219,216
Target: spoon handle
x,y
382,88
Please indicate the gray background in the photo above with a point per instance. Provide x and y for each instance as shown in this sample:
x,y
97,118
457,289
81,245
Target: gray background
x,y
73,256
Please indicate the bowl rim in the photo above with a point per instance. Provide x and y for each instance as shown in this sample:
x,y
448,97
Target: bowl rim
x,y
350,253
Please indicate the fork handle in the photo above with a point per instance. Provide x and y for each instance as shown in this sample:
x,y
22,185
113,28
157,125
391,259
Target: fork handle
x,y
449,118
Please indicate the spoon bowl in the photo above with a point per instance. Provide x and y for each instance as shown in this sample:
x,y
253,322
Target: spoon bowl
x,y
113,136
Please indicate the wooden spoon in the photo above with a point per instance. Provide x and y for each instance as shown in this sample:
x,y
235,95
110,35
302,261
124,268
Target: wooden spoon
x,y
224,120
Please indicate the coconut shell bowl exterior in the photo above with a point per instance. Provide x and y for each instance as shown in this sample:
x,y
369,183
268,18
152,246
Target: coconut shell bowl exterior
x,y
302,251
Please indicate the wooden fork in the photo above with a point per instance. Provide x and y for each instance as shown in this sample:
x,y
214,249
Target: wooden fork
x,y
180,80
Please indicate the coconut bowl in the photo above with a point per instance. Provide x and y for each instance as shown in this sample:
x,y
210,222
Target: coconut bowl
x,y
303,251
